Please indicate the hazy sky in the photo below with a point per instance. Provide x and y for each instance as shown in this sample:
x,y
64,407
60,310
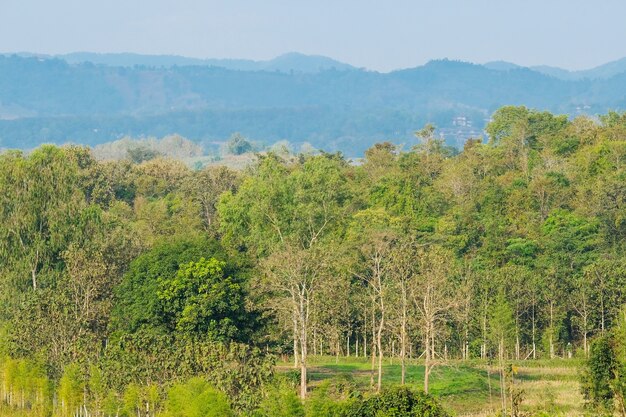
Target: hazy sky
x,y
380,35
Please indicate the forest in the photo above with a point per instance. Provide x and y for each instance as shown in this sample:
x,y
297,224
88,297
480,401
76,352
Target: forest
x,y
148,288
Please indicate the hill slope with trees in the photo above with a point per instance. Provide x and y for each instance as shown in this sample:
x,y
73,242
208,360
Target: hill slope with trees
x,y
49,100
130,288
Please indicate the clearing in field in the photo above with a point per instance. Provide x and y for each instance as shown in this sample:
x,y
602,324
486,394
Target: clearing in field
x,y
466,388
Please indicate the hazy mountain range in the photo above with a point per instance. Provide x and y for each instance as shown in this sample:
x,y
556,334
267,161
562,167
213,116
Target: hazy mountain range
x,y
94,98
297,62
605,71
289,62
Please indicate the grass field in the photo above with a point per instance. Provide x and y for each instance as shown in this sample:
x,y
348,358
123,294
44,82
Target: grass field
x,y
466,388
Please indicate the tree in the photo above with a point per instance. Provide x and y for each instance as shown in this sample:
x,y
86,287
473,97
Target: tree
x,y
72,390
502,327
433,297
238,145
376,273
404,263
38,206
142,153
202,300
598,374
286,213
295,277
581,299
205,188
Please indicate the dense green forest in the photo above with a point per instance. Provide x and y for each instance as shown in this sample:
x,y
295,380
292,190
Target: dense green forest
x,y
152,289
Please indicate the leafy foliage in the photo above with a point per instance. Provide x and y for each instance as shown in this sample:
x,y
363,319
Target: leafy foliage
x,y
397,402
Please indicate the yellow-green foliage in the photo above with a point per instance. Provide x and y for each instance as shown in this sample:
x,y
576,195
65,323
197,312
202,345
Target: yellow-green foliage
x,y
196,398
24,386
281,401
71,391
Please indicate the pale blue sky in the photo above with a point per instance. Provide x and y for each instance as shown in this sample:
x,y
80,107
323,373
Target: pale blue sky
x,y
380,35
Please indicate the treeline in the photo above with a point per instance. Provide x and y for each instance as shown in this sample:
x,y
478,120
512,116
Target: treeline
x,y
122,282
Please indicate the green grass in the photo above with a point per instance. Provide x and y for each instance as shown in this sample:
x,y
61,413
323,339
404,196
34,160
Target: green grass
x,y
464,387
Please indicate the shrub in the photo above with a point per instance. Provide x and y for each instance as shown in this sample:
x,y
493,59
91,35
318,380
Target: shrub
x,y
281,401
397,402
196,398
598,374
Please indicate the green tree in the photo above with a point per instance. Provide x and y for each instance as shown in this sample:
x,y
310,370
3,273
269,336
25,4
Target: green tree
x,y
238,145
72,391
202,300
138,304
598,375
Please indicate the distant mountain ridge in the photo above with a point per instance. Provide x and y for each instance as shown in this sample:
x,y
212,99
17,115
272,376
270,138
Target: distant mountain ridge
x,y
298,62
292,61
295,98
600,72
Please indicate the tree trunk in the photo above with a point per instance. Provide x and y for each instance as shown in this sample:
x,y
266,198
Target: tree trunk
x,y
483,348
379,345
534,333
403,335
466,344
403,351
502,377
427,358
295,340
303,387
373,347
602,312
304,320
585,337
551,339
365,344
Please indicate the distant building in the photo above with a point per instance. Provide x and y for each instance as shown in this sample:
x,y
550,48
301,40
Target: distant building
x,y
462,128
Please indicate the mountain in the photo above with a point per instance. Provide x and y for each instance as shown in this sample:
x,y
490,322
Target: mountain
x,y
294,97
605,71
501,65
559,73
294,61
288,62
601,72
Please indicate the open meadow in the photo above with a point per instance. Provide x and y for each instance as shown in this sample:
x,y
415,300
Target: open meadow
x,y
465,388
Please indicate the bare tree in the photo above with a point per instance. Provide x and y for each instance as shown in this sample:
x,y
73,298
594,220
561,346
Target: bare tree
x,y
404,270
294,276
465,296
376,254
433,297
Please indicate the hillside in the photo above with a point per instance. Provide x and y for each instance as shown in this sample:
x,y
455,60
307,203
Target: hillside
x,y
318,101
132,282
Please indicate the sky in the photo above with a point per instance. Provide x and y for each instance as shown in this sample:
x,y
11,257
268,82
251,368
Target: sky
x,y
378,35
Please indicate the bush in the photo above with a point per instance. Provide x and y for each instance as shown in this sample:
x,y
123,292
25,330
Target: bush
x,y
281,401
196,398
329,399
598,374
397,402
